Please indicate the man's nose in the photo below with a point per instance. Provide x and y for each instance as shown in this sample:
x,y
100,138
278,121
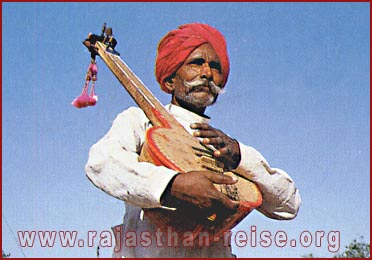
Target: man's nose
x,y
206,71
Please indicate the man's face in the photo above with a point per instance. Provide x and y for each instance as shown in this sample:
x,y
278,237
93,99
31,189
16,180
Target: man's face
x,y
198,81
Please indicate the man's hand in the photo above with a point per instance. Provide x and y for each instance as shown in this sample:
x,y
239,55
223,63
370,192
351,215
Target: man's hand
x,y
196,188
228,150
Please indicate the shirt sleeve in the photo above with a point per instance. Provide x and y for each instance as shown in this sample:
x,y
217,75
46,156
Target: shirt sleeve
x,y
113,164
281,199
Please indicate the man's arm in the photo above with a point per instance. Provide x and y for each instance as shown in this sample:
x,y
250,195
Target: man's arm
x,y
114,168
281,199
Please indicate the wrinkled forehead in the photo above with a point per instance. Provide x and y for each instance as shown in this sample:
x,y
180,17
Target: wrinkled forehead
x,y
205,52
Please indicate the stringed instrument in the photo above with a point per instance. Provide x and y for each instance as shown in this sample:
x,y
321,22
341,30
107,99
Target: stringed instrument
x,y
169,144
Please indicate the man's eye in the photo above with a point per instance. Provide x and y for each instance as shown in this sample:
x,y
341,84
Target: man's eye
x,y
216,66
197,62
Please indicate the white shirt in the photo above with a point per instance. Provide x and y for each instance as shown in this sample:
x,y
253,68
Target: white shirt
x,y
114,168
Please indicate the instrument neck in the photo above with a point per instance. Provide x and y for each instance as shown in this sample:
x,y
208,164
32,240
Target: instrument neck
x,y
151,106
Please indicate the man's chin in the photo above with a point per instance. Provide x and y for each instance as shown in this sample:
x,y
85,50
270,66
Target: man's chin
x,y
201,102
196,101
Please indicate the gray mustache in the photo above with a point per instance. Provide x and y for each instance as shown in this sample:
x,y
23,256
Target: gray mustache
x,y
202,82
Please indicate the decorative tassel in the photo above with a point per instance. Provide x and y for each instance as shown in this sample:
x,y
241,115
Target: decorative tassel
x,y
84,100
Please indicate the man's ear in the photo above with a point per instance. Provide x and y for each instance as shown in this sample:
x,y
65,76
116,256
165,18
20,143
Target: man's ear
x,y
169,84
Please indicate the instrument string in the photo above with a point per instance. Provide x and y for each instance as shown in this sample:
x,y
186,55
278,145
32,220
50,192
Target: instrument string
x,y
145,97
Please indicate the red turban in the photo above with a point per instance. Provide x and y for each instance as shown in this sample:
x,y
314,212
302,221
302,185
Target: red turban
x,y
178,44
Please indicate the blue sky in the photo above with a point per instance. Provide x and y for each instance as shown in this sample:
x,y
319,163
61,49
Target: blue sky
x,y
298,91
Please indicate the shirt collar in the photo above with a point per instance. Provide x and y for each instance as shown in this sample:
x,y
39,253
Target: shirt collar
x,y
186,117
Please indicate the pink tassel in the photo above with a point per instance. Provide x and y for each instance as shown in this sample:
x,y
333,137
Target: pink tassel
x,y
84,100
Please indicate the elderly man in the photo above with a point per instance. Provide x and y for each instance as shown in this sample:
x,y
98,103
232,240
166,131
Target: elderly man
x,y
193,66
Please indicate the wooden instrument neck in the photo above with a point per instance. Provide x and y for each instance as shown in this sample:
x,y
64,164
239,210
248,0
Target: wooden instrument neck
x,y
151,106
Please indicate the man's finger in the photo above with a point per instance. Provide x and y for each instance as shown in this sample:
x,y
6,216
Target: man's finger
x,y
221,198
205,133
221,178
223,152
202,126
215,141
228,203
